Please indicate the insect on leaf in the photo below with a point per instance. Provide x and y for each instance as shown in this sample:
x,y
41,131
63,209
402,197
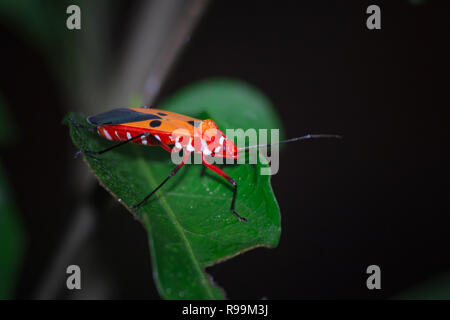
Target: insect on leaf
x,y
188,221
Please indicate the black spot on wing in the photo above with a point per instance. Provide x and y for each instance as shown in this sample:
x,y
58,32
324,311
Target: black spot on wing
x,y
194,123
155,123
119,116
162,114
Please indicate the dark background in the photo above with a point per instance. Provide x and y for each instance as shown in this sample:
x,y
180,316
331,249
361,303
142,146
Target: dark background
x,y
379,197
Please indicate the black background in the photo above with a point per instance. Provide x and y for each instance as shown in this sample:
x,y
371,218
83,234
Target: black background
x,y
379,197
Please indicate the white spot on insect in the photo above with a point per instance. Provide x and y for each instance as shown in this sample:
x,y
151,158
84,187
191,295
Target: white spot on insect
x,y
205,149
144,140
107,134
177,143
120,200
128,135
206,152
221,140
216,150
190,148
157,137
117,135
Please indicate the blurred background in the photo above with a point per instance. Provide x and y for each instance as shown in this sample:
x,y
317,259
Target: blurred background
x,y
380,197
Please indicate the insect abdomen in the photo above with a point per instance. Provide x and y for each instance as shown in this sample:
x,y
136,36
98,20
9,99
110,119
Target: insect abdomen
x,y
122,133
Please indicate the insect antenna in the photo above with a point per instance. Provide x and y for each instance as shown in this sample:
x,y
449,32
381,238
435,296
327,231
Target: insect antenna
x,y
306,137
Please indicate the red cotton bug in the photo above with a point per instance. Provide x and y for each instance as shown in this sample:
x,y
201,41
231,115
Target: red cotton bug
x,y
172,132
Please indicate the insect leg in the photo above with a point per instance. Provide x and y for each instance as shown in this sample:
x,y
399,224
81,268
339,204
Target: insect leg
x,y
231,181
172,173
202,172
146,134
110,148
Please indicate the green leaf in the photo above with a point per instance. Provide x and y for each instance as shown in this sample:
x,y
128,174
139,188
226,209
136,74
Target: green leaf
x,y
188,221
